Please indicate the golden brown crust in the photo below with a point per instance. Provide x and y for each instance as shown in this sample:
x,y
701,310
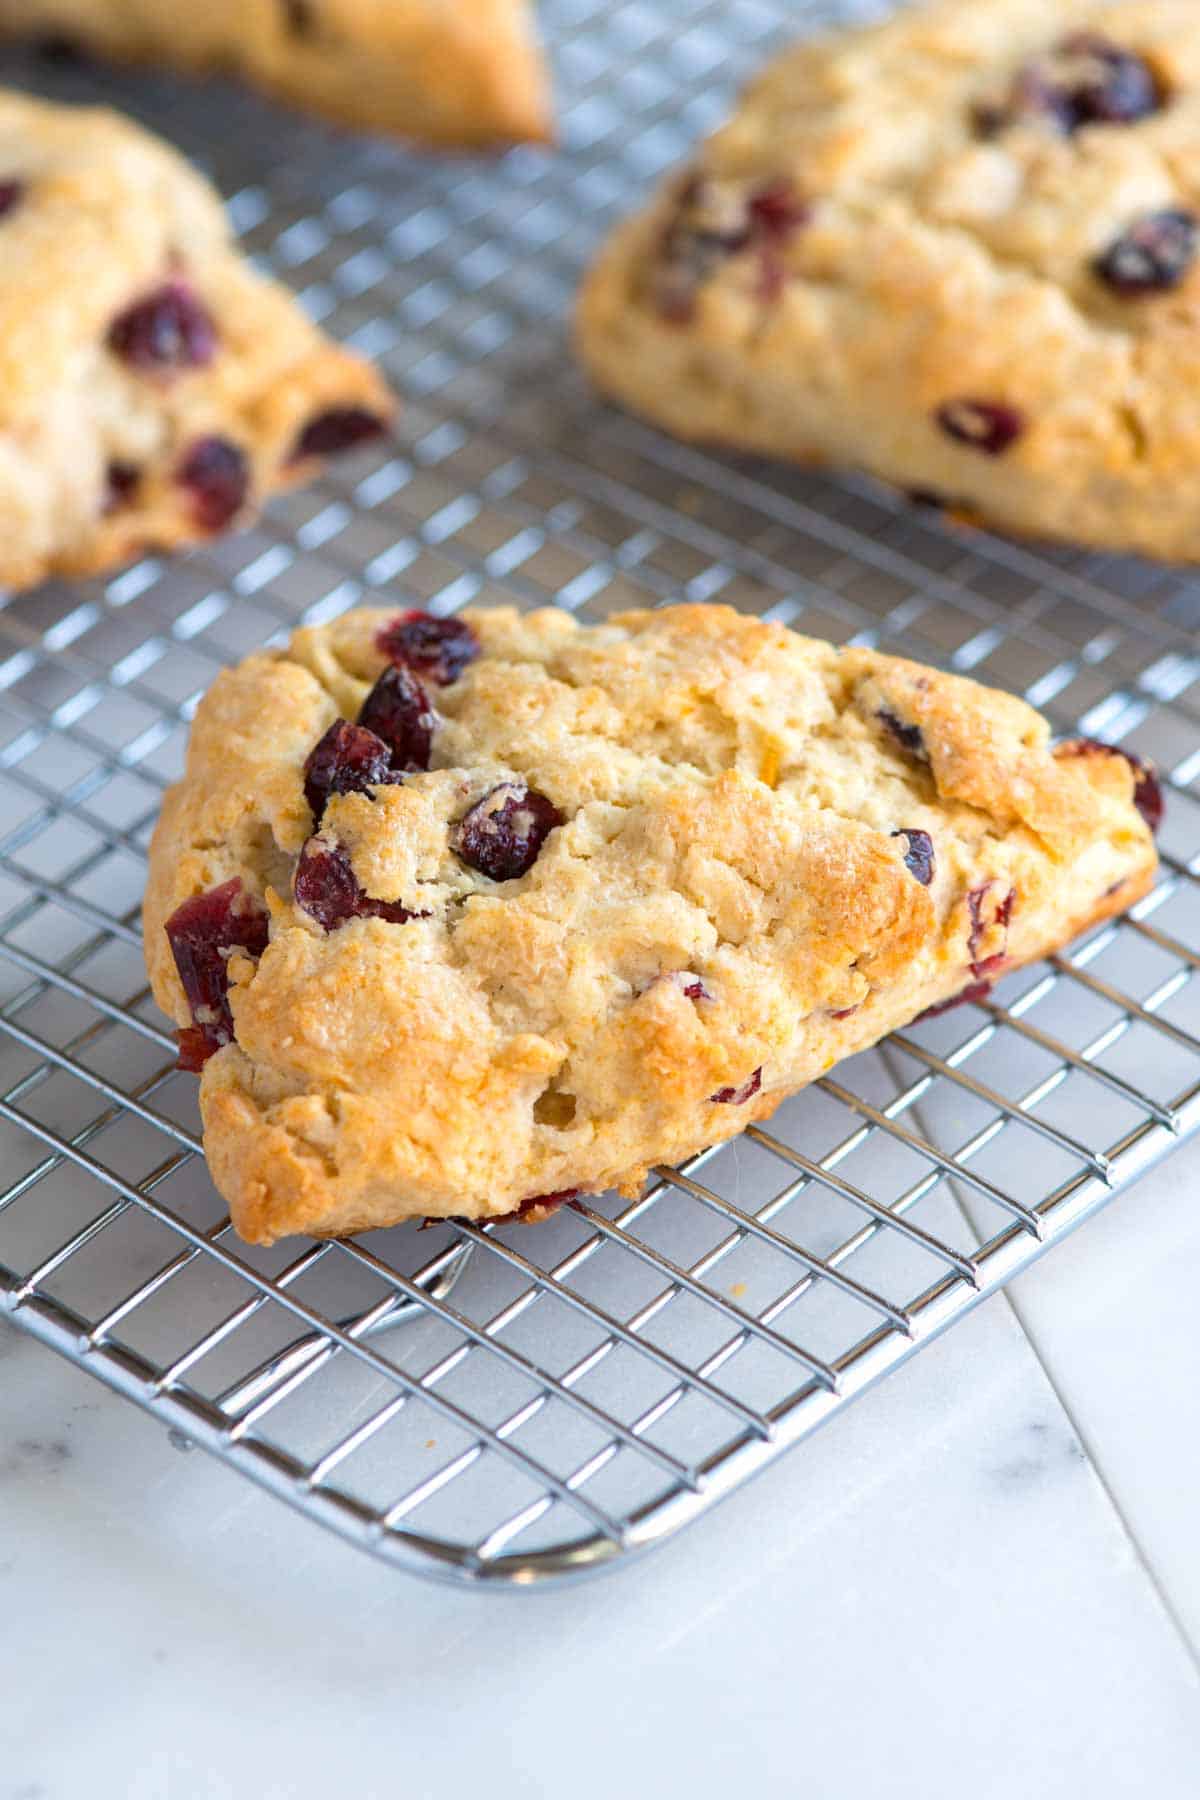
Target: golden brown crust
x,y
736,802
442,72
106,217
937,262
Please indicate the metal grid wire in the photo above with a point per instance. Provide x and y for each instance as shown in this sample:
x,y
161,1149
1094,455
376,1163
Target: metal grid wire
x,y
507,1404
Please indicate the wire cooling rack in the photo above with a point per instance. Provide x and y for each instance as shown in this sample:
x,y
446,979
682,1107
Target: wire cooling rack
x,y
511,1404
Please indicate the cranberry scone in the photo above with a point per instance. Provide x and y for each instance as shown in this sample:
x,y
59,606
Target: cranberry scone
x,y
153,388
959,250
448,72
459,916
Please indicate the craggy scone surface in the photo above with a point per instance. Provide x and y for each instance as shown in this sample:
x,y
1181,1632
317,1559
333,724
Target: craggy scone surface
x,y
153,387
958,249
439,71
724,909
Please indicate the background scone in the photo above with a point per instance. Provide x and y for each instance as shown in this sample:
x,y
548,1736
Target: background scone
x,y
959,250
434,71
153,388
458,914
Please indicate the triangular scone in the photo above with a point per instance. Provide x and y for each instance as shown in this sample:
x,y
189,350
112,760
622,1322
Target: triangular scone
x,y
450,72
457,916
153,388
961,250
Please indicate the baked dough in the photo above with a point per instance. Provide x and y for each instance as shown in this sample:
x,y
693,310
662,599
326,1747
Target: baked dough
x,y
959,250
745,854
153,388
448,72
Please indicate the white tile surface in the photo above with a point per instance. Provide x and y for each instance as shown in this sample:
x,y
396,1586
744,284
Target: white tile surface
x,y
1115,1316
934,1595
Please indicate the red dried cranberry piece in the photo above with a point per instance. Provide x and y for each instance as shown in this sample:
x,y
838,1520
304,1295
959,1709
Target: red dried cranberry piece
x,y
907,736
438,649
738,1096
202,933
691,986
987,965
10,193
348,760
918,858
536,1209
327,889
845,1013
710,225
1153,255
218,477
974,990
776,208
985,425
338,429
503,834
1102,84
60,50
1147,789
120,483
1087,80
195,1048
299,17
397,710
169,329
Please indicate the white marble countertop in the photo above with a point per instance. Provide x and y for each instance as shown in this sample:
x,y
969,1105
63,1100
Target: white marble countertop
x,y
983,1578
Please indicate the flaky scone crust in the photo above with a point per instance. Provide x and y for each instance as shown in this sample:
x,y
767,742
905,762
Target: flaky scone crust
x,y
443,72
938,263
731,793
108,214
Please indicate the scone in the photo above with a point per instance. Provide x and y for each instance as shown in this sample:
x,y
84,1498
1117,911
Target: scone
x,y
450,72
459,916
153,388
958,250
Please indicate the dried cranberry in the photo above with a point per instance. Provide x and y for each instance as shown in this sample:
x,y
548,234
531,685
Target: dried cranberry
x,y
202,933
712,224
10,193
1153,255
120,483
298,17
1102,84
60,50
397,710
438,649
169,329
987,965
218,476
974,990
985,425
536,1209
348,760
1086,80
503,834
919,857
338,429
777,209
691,986
738,1096
327,889
1147,789
846,1012
195,1048
908,737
